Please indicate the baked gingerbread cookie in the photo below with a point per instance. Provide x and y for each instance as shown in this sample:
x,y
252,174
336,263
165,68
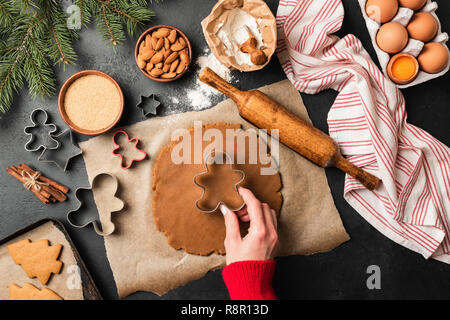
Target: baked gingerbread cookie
x,y
38,259
30,292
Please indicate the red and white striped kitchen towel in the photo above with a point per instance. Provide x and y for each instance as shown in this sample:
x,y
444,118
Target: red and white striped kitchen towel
x,y
368,121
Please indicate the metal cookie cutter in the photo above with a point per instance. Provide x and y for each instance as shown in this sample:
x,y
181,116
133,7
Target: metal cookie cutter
x,y
214,155
117,147
80,221
66,146
40,137
148,105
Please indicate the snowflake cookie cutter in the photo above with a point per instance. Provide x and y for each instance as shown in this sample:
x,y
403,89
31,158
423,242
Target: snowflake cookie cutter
x,y
148,105
117,147
107,226
65,140
36,125
229,160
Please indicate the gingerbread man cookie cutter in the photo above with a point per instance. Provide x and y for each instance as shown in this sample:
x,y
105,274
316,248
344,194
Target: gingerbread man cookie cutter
x,y
105,224
117,147
40,137
229,160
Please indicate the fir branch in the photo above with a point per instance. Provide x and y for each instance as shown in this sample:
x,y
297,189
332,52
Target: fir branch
x,y
111,17
35,32
8,9
85,12
59,38
13,58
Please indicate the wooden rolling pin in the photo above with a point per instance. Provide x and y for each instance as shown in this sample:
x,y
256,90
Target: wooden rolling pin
x,y
294,132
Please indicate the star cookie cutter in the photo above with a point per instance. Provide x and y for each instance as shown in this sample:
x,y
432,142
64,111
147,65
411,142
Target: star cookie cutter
x,y
83,222
65,141
28,130
229,160
148,105
117,147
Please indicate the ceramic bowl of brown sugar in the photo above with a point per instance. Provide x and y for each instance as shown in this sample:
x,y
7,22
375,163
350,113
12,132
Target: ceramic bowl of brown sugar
x,y
91,102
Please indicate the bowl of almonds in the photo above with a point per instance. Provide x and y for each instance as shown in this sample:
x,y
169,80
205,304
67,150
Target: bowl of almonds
x,y
163,53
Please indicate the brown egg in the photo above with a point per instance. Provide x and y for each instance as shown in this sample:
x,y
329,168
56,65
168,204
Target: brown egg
x,y
381,10
433,58
402,68
392,37
412,4
423,26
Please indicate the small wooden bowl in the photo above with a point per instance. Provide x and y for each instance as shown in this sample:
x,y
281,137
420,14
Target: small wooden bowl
x,y
142,38
62,95
391,63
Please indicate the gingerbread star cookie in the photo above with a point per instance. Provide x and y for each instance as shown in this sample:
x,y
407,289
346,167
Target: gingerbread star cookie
x,y
30,292
38,259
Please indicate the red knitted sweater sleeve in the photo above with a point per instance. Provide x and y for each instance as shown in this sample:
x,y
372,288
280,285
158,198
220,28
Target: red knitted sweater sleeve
x,y
250,280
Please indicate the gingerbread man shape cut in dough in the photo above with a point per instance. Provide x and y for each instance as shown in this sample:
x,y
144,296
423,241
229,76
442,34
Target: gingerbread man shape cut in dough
x,y
219,183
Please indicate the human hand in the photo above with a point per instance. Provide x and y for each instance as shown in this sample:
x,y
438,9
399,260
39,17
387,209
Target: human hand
x,y
262,237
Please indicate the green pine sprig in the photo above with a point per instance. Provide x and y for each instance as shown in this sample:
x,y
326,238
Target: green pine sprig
x,y
34,36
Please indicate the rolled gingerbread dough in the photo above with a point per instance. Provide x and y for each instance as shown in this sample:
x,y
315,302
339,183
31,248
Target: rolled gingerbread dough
x,y
175,194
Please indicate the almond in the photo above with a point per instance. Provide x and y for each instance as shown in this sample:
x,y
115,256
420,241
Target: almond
x,y
180,67
154,41
161,33
159,65
169,75
149,67
147,53
184,57
156,72
167,53
159,44
166,67
166,44
148,41
172,36
141,46
140,62
177,46
157,58
171,58
182,42
174,65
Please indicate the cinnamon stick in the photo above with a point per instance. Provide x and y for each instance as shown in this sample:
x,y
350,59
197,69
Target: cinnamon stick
x,y
14,172
57,194
54,184
18,175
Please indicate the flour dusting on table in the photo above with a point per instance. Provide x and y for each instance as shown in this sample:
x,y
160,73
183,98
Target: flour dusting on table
x,y
201,96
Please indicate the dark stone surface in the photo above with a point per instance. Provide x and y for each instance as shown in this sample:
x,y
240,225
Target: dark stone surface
x,y
339,274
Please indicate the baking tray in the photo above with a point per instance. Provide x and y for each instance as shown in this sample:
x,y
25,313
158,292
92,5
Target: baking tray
x,y
90,291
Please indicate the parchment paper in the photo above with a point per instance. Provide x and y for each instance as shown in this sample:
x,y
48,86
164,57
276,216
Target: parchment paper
x,y
13,273
219,13
140,256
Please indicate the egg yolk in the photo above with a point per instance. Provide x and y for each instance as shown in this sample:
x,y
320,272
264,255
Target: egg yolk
x,y
403,68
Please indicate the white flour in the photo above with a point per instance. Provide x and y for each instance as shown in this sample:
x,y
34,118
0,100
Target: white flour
x,y
233,33
200,95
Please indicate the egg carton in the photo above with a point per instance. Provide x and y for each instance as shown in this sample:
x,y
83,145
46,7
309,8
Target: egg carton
x,y
414,47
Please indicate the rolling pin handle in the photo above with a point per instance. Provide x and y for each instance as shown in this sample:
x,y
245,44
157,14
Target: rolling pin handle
x,y
211,78
368,180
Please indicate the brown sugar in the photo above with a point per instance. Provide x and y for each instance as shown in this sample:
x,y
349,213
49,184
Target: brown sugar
x,y
92,102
